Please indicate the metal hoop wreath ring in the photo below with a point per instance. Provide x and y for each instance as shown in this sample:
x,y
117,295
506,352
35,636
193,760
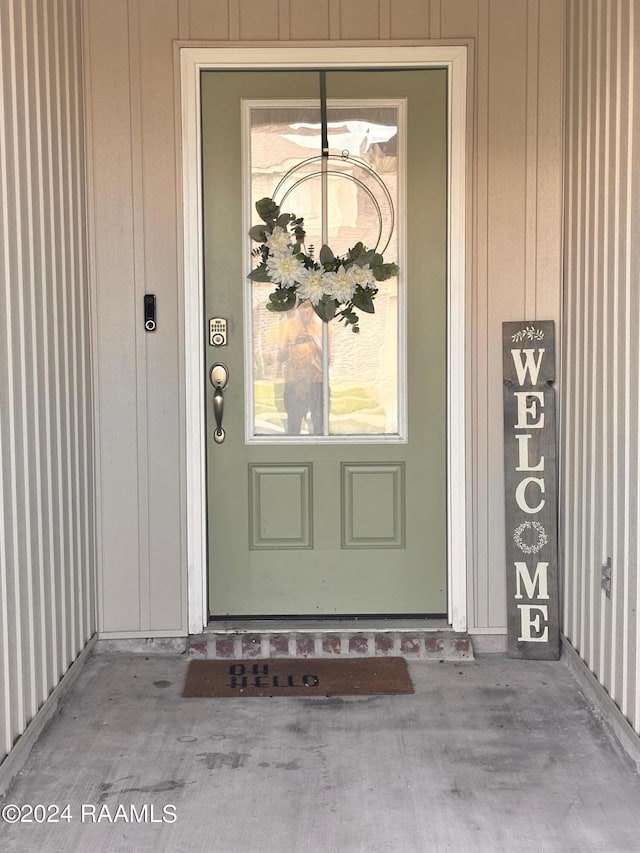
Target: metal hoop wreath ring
x,y
343,158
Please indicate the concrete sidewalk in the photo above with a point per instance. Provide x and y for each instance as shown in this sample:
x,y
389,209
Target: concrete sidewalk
x,y
488,755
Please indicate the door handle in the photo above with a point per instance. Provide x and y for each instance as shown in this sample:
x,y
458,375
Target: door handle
x,y
219,377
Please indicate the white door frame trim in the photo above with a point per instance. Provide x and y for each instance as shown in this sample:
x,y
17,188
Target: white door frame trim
x,y
192,61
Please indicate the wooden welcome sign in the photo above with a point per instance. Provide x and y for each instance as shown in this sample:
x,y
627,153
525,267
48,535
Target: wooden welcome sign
x,y
531,490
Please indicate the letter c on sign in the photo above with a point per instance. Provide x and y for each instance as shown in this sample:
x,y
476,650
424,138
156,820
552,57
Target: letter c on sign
x,y
521,497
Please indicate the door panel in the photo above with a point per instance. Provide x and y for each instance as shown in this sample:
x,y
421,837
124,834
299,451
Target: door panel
x,y
304,524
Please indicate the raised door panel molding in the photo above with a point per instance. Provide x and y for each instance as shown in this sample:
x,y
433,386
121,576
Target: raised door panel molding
x,y
373,499
280,506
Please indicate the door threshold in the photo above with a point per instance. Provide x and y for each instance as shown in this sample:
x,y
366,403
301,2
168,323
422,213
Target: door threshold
x,y
331,625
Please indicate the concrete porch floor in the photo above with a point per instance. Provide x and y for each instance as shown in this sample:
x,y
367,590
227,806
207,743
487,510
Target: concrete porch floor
x,y
488,755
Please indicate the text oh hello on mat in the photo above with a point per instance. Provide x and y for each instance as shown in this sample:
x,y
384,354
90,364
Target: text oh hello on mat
x,y
297,677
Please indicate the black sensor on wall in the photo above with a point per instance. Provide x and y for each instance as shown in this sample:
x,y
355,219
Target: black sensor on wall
x,y
150,312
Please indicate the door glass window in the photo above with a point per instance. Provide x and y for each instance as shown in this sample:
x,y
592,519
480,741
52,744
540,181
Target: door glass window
x,y
310,380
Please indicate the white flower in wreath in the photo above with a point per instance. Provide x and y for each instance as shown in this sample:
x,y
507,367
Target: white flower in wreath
x,y
312,285
363,275
340,285
537,546
279,241
284,269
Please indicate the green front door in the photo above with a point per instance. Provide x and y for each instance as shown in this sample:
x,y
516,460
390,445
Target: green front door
x,y
327,495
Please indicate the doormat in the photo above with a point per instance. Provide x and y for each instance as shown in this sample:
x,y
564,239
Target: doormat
x,y
297,677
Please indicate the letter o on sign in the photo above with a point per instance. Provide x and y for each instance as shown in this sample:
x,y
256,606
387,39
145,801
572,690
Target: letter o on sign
x,y
521,498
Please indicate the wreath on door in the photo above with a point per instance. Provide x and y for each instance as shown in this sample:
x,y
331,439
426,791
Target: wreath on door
x,y
337,286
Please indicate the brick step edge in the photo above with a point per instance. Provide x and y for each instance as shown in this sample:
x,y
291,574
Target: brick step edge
x,y
413,646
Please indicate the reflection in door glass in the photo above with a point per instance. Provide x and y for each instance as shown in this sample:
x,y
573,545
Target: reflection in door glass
x,y
311,378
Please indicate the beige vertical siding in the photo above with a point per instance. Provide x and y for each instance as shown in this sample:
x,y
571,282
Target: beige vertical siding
x,y
47,556
515,183
602,346
130,117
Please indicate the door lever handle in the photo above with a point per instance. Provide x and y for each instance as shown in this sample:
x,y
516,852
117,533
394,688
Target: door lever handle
x,y
218,408
219,377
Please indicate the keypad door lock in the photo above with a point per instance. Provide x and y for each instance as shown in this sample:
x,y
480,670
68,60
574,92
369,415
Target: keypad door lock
x,y
218,332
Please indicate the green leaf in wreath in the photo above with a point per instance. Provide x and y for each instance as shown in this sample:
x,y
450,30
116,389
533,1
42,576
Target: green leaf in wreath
x,y
392,269
326,255
349,317
365,258
357,252
326,308
282,299
258,233
259,274
284,219
382,272
267,209
363,299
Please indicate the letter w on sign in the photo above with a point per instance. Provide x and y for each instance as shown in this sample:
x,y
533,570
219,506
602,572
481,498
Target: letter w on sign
x,y
530,490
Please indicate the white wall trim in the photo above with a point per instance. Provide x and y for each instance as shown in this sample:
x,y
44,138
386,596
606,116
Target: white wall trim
x,y
192,61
